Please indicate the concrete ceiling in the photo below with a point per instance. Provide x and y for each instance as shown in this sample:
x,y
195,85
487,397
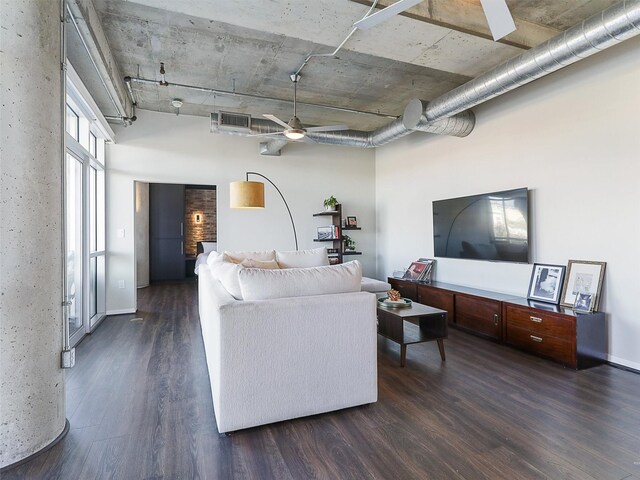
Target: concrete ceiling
x,y
253,45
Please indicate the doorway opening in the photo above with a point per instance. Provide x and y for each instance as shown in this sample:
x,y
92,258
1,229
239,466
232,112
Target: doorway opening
x,y
172,221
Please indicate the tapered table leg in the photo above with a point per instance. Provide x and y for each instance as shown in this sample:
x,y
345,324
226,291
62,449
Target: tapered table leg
x,y
441,348
403,355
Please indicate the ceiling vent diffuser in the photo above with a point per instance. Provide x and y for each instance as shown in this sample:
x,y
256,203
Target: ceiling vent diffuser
x,y
238,122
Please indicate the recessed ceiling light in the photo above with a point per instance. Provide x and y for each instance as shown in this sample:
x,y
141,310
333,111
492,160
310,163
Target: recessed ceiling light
x,y
176,102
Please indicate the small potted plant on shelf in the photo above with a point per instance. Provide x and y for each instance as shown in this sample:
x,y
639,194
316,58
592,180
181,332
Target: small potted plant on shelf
x,y
330,203
349,243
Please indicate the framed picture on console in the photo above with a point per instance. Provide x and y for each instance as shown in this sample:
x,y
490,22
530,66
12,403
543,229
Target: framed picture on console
x,y
583,277
414,271
546,283
584,302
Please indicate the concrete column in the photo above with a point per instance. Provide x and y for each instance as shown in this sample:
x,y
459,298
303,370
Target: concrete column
x,y
32,411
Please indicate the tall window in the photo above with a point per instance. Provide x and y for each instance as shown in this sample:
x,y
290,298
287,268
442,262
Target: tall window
x,y
84,214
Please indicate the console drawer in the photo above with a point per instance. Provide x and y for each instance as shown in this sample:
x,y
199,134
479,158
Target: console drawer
x,y
480,315
438,298
540,322
555,348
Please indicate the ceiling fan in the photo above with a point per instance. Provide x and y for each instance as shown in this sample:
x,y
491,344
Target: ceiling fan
x,y
496,11
295,130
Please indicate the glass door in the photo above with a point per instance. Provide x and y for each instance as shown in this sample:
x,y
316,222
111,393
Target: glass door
x,y
97,252
74,248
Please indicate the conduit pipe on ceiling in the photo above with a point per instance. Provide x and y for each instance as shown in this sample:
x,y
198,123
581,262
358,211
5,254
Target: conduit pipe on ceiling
x,y
80,14
217,91
443,115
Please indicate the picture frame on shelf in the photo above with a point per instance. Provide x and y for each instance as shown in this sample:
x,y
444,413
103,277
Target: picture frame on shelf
x,y
326,233
352,222
583,276
584,302
546,283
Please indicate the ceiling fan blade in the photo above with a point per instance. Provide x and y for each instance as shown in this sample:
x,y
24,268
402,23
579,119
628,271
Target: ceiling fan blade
x,y
498,17
266,134
384,14
275,119
306,139
327,128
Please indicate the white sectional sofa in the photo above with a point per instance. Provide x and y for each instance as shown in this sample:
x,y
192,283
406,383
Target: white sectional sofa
x,y
301,341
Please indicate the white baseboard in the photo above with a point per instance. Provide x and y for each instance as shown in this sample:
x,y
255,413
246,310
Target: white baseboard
x,y
122,311
623,362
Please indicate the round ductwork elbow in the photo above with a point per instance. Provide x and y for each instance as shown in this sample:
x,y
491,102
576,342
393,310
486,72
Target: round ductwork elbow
x,y
414,118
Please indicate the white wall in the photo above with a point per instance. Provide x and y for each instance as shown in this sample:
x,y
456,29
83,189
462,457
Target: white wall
x,y
573,139
179,149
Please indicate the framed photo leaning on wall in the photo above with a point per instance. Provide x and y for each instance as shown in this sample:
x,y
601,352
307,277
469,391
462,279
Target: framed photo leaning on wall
x,y
546,283
583,277
584,302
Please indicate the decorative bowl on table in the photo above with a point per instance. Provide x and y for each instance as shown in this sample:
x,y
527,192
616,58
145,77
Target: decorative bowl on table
x,y
394,300
402,303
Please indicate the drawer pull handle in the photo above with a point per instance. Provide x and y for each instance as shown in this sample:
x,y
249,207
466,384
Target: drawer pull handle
x,y
536,339
495,319
536,319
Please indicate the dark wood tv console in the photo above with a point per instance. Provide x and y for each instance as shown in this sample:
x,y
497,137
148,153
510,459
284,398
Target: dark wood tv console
x,y
577,340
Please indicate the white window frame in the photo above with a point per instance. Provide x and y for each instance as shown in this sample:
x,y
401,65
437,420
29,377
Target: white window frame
x,y
79,99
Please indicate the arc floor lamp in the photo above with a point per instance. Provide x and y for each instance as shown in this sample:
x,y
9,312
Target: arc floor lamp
x,y
246,194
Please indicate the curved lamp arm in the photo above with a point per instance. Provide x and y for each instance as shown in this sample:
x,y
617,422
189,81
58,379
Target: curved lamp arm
x,y
295,236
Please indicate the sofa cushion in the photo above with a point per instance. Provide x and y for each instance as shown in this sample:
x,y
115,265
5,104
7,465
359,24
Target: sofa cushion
x,y
374,286
268,264
237,257
259,284
227,274
314,257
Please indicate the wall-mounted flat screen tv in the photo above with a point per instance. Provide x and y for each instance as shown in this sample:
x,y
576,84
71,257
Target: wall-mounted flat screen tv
x,y
492,226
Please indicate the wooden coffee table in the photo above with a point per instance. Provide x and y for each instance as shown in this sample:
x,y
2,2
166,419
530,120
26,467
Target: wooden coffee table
x,y
416,324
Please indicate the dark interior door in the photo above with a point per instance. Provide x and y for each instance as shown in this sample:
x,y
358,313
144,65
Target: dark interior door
x,y
166,235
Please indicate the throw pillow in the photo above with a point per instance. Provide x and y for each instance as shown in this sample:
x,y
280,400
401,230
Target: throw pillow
x,y
227,274
260,284
213,257
237,257
314,257
268,264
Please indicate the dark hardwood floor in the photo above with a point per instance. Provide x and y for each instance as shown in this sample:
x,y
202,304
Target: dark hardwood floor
x,y
140,408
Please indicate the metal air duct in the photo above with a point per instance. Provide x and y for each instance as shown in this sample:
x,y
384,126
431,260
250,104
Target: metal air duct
x,y
459,125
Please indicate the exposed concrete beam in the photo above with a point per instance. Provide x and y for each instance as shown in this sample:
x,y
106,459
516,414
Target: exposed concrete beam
x,y
468,17
92,34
